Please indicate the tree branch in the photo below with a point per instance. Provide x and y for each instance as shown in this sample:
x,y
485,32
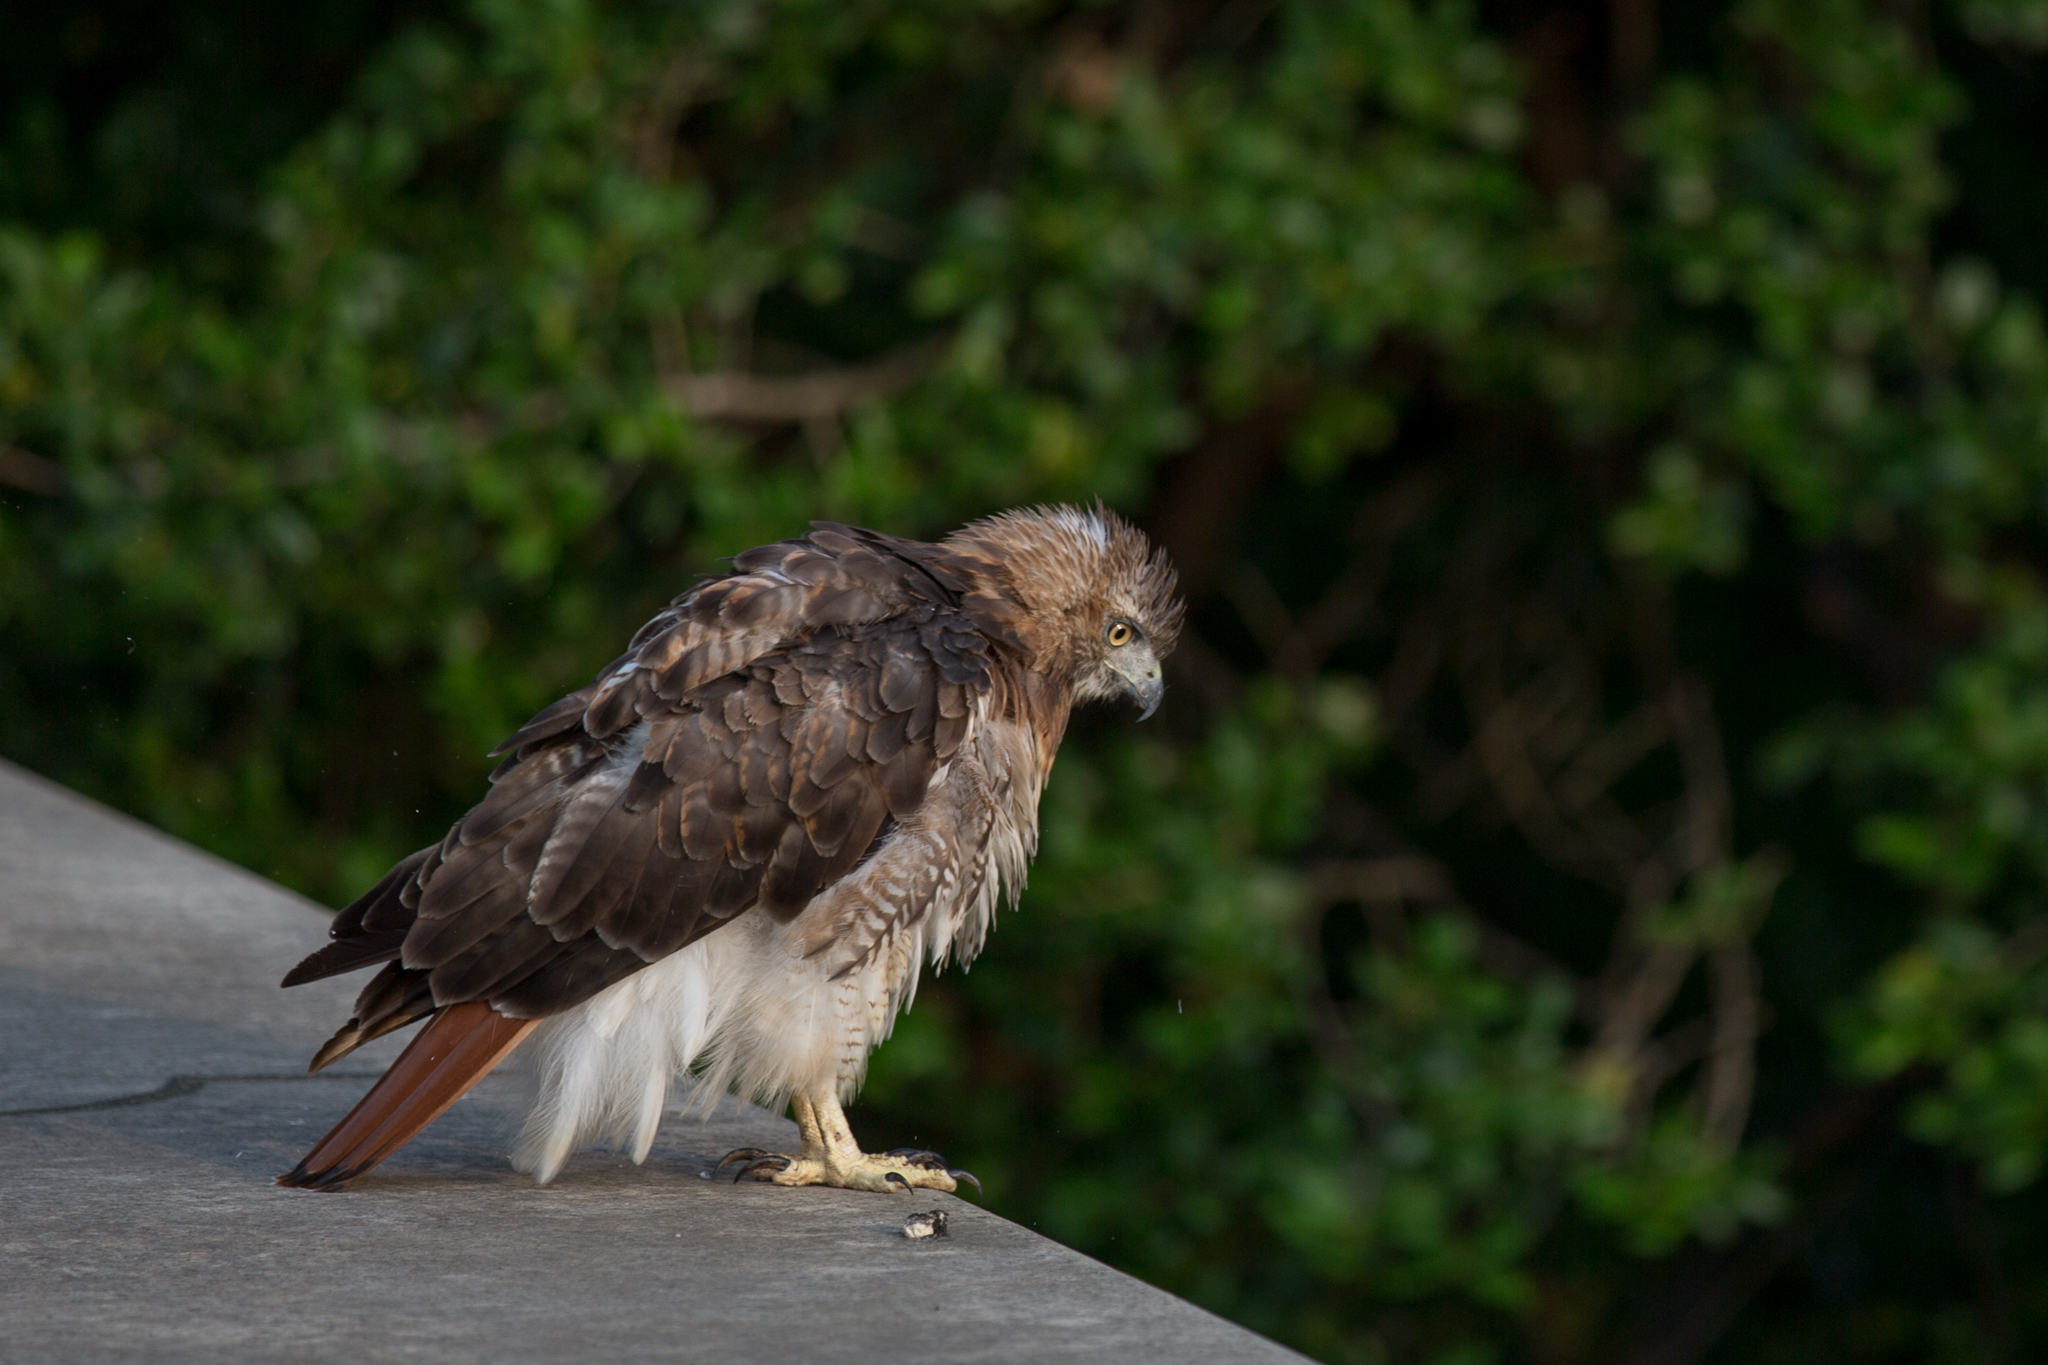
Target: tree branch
x,y
820,396
1731,1066
30,472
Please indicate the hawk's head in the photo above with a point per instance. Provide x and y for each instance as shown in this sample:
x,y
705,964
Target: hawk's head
x,y
1098,605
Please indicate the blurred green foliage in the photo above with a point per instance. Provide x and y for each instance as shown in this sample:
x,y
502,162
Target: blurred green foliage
x,y
1585,899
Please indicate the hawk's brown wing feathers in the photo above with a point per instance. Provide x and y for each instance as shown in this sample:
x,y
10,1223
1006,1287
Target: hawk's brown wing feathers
x,y
748,751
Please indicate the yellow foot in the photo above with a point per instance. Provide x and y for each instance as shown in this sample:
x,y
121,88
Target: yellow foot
x,y
906,1168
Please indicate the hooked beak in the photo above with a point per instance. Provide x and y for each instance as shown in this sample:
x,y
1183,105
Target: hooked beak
x,y
1147,691
1138,668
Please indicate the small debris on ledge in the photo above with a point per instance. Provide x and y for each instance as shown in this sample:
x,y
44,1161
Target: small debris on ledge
x,y
920,1225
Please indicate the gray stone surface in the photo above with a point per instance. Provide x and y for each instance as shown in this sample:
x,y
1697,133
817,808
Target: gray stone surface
x,y
151,1085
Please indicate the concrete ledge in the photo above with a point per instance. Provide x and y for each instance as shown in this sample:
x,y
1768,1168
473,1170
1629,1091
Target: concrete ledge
x,y
152,1083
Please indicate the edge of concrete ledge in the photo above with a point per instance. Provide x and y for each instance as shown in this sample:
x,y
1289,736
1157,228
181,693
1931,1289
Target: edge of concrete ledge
x,y
163,1072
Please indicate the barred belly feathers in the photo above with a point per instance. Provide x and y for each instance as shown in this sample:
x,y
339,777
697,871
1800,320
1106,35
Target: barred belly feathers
x,y
734,852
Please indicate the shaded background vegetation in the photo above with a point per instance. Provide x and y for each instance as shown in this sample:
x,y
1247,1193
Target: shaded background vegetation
x,y
1583,900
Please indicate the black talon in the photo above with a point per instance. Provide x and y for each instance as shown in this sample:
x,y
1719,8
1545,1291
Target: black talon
x,y
968,1176
919,1157
739,1154
888,1176
779,1162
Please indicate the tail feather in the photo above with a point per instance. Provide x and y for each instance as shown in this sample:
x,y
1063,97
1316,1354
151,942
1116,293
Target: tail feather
x,y
452,1053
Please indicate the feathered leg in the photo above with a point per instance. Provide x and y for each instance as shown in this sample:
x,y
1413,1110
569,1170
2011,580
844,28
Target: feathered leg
x,y
450,1055
830,1156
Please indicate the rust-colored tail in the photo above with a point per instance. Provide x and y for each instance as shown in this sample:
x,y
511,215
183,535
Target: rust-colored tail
x,y
452,1053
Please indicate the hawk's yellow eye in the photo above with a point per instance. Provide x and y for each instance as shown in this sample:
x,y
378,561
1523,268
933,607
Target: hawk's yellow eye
x,y
1120,634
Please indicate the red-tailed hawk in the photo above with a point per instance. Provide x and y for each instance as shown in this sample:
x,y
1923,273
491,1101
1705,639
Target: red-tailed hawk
x,y
734,851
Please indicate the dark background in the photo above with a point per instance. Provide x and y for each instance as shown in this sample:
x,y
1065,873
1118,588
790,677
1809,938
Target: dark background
x,y
1582,899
